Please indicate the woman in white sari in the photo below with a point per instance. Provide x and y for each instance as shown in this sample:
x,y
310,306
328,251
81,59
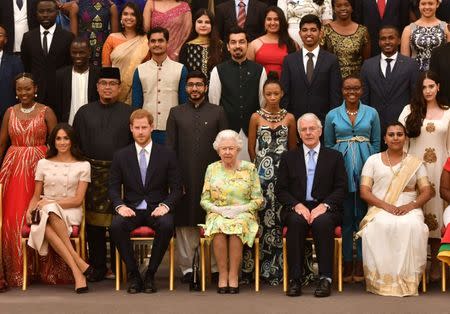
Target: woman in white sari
x,y
394,235
126,49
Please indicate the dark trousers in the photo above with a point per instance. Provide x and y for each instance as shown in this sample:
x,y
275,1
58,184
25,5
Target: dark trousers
x,y
323,235
96,237
120,233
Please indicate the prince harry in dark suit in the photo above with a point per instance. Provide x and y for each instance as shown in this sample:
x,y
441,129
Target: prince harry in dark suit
x,y
151,183
311,186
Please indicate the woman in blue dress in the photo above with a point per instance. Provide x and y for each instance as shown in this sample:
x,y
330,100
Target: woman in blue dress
x,y
354,130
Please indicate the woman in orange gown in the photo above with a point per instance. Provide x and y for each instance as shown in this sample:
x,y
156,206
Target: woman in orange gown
x,y
26,125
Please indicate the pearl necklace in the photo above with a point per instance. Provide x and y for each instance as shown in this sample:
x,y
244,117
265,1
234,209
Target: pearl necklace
x,y
351,113
390,165
27,110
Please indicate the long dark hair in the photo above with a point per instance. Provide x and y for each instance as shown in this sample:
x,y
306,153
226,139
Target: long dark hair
x,y
215,44
74,149
283,34
139,17
418,105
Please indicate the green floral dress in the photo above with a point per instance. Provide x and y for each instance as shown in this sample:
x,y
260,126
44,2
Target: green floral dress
x,y
232,187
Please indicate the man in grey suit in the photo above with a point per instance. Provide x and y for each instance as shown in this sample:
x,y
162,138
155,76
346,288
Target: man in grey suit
x,y
388,78
311,77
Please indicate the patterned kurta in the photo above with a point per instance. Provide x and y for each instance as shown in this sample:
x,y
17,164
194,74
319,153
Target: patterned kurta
x,y
432,146
232,187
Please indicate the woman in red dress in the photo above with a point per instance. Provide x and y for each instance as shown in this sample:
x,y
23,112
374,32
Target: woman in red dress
x,y
26,125
270,49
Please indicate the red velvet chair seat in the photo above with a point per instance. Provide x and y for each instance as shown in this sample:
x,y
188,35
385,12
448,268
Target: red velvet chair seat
x,y
27,228
142,232
337,232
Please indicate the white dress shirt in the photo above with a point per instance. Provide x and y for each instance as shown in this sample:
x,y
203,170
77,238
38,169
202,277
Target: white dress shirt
x,y
51,31
1,56
20,23
79,98
383,62
315,52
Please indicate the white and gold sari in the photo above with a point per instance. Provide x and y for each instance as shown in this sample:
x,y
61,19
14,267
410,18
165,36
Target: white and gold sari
x,y
394,247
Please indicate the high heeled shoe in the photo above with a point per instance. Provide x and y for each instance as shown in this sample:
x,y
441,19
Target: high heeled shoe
x,y
233,290
82,289
222,290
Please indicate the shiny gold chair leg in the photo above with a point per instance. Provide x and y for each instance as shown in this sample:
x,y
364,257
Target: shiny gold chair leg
x,y
25,264
172,263
202,259
256,264
285,266
208,260
444,277
339,248
124,273
117,270
424,281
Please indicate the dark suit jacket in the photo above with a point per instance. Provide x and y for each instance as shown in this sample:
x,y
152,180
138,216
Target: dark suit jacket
x,y
254,23
162,184
330,180
440,63
63,90
319,96
7,19
10,67
43,67
389,97
366,13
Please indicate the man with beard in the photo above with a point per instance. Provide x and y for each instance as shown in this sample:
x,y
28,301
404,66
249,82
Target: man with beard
x,y
102,128
388,78
159,84
237,85
45,49
311,77
191,130
76,85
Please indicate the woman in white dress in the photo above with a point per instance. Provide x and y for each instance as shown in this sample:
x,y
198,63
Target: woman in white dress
x,y
427,121
62,177
296,9
394,236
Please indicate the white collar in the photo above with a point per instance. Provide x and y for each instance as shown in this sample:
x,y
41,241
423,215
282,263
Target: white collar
x,y
165,61
1,54
315,52
51,30
236,2
393,57
306,149
147,148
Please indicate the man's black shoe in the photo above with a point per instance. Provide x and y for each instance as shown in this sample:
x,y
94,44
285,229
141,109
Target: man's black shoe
x,y
149,283
323,288
95,275
294,288
186,277
134,283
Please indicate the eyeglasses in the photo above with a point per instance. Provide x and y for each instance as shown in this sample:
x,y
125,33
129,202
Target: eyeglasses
x,y
110,83
198,84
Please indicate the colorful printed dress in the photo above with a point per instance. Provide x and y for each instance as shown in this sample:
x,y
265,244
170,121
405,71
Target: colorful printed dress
x,y
238,187
28,137
423,40
93,20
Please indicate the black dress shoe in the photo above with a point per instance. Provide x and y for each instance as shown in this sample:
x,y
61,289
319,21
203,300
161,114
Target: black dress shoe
x,y
82,290
233,290
149,283
134,283
186,278
294,288
95,275
222,290
323,288
89,271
